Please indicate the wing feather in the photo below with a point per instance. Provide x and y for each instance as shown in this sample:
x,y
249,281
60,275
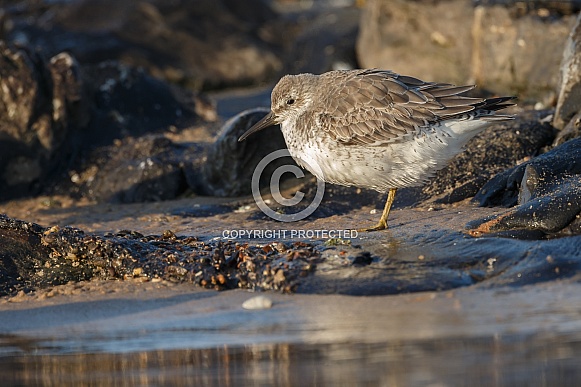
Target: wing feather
x,y
380,107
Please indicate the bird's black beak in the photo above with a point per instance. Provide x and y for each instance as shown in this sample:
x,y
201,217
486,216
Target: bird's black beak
x,y
268,120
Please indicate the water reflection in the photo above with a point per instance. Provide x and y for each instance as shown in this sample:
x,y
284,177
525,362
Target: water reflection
x,y
545,360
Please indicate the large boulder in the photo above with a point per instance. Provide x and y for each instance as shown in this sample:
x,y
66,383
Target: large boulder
x,y
518,54
41,104
569,101
429,41
201,44
54,113
497,47
546,191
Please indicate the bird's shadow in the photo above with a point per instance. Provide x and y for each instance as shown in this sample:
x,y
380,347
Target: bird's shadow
x,y
340,200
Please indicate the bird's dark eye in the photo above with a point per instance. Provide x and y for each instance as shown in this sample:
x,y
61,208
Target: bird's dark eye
x,y
290,101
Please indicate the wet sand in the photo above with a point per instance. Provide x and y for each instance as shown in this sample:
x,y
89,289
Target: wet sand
x,y
179,216
488,334
126,316
158,333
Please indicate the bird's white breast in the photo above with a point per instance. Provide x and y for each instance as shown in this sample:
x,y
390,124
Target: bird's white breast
x,y
406,163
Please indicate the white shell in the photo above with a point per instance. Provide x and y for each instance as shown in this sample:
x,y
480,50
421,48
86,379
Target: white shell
x,y
256,303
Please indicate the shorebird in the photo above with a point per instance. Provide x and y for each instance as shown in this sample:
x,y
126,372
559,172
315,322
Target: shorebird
x,y
374,128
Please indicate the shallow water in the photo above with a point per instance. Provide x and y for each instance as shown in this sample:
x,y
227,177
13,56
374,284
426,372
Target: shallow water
x,y
159,334
507,314
487,361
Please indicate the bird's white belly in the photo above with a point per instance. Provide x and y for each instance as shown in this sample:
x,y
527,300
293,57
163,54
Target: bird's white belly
x,y
397,165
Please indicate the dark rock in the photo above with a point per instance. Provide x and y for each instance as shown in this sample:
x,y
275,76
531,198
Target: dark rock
x,y
326,41
229,165
561,162
202,44
126,101
42,105
569,101
128,104
547,189
138,170
362,259
549,213
55,114
33,257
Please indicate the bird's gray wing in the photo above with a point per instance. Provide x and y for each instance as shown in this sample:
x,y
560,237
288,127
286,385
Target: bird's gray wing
x,y
380,107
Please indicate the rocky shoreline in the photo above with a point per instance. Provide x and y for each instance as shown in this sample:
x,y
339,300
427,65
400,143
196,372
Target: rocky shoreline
x,y
82,123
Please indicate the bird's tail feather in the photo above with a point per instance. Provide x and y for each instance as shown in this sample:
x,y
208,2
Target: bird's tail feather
x,y
491,105
495,104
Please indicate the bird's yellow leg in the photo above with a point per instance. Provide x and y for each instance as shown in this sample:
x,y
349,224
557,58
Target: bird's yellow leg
x,y
382,224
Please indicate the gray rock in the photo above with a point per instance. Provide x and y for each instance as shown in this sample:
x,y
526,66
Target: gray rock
x,y
518,54
452,41
570,131
569,101
414,38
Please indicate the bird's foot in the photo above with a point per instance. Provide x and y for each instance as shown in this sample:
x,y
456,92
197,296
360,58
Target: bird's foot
x,y
379,226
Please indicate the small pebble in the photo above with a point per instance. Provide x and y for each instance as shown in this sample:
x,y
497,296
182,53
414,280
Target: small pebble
x,y
256,303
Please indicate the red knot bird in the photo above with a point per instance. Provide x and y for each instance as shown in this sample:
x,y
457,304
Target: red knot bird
x,y
374,128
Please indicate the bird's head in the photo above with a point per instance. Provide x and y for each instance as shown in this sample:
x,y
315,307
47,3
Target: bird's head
x,y
290,98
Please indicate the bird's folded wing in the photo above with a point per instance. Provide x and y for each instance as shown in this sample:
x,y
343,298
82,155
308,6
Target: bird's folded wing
x,y
380,107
